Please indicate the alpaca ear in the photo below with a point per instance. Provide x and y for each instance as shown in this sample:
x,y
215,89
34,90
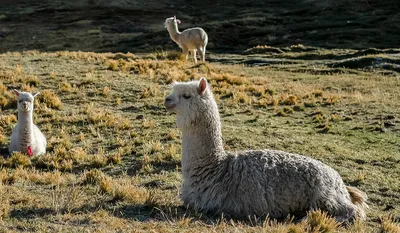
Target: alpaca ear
x,y
37,93
202,86
174,17
178,21
17,92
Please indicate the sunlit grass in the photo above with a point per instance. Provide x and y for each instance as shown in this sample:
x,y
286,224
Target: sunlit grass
x,y
114,152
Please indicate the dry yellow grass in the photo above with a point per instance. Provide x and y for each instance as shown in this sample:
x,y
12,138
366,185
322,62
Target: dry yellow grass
x,y
113,161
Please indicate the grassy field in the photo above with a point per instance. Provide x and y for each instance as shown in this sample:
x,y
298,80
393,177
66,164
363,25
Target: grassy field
x,y
113,161
114,152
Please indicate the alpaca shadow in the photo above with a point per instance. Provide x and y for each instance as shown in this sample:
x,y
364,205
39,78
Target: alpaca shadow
x,y
171,213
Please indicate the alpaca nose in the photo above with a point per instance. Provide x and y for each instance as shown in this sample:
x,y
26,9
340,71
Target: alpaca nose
x,y
169,103
168,99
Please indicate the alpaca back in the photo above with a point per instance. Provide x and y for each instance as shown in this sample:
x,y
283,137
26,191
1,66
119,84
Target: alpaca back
x,y
193,38
267,182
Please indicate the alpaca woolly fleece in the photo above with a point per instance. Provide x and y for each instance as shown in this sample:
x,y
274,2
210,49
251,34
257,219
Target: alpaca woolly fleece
x,y
192,39
253,182
26,137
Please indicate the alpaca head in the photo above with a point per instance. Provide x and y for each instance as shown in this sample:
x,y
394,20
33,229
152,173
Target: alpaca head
x,y
171,21
25,100
193,102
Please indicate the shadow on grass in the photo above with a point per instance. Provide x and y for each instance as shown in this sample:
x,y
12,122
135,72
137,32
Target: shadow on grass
x,y
30,213
176,213
4,152
169,213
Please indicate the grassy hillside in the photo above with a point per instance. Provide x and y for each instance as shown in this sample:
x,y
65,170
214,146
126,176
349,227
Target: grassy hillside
x,y
319,78
137,26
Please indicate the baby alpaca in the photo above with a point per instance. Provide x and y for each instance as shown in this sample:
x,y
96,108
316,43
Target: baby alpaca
x,y
26,137
254,182
192,39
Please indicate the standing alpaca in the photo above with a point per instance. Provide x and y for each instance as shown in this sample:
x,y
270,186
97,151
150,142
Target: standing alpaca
x,y
26,137
254,182
192,39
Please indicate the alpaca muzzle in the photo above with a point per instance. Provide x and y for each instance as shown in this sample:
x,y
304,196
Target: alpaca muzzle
x,y
169,103
25,106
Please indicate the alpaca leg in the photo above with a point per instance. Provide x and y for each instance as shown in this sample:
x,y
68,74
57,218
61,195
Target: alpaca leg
x,y
349,213
194,56
342,209
200,50
203,53
185,52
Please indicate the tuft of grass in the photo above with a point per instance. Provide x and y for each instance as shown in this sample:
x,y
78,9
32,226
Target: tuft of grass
x,y
150,91
360,178
114,159
172,153
289,100
6,178
18,69
28,88
318,93
153,146
320,221
64,200
241,97
288,110
389,224
228,78
112,65
167,55
284,112
5,205
105,91
19,159
280,113
65,87
93,177
50,99
105,185
172,135
148,123
98,161
129,193
325,128
8,120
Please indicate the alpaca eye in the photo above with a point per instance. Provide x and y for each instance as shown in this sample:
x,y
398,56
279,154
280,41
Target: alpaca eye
x,y
20,101
186,96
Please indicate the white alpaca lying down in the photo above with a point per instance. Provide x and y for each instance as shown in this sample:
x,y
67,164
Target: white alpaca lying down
x,y
26,137
254,182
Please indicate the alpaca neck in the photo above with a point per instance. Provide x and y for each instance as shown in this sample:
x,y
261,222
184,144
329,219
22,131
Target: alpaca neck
x,y
202,144
174,32
25,125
